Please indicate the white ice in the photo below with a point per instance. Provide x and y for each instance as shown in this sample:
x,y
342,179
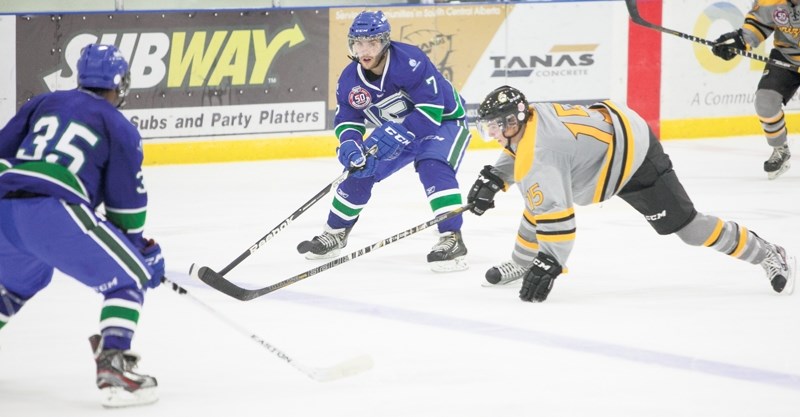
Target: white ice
x,y
643,325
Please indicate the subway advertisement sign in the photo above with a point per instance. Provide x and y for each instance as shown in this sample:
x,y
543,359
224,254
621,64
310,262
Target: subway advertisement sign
x,y
192,73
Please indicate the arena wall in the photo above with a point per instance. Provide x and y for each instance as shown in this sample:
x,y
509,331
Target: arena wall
x,y
228,85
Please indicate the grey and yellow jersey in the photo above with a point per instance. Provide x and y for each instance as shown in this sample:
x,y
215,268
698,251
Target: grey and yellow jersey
x,y
779,16
569,154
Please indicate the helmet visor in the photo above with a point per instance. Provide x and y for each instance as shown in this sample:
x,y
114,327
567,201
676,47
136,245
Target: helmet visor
x,y
367,45
495,128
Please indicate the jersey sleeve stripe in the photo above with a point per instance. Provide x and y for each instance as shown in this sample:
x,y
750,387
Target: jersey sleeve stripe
x,y
556,236
130,221
555,217
526,244
343,127
627,143
759,29
432,112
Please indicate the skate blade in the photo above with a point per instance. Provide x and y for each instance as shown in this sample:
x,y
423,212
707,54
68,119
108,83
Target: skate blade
x,y
332,254
775,174
118,397
501,283
789,288
455,265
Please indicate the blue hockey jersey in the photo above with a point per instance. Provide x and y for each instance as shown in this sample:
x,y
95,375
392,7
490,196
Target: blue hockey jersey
x,y
76,146
410,91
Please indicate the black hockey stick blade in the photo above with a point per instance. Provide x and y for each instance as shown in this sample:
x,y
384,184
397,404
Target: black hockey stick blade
x,y
285,223
219,283
633,11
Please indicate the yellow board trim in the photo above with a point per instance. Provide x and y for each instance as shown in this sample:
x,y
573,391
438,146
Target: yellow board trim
x,y
720,126
324,144
257,149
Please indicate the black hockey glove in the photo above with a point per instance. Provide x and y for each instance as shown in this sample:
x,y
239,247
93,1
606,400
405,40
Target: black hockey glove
x,y
724,45
539,279
481,195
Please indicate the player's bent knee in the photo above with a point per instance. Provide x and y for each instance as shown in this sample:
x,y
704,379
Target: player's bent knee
x,y
665,205
768,103
431,161
698,230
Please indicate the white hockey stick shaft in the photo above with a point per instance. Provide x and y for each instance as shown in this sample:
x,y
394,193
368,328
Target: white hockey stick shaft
x,y
344,369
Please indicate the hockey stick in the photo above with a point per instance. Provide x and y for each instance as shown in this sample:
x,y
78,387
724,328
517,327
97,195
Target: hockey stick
x,y
218,282
194,270
344,369
633,10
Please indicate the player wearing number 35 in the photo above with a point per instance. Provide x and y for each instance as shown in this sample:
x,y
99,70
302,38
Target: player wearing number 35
x,y
63,156
560,155
419,119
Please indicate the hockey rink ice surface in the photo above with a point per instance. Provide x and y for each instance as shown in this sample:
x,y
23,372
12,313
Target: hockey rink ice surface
x,y
643,325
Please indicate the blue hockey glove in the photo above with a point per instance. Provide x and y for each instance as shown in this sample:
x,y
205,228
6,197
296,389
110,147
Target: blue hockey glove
x,y
351,154
390,138
539,279
153,258
725,46
366,170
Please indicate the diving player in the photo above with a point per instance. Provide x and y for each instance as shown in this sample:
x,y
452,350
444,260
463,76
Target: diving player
x,y
560,155
62,156
420,119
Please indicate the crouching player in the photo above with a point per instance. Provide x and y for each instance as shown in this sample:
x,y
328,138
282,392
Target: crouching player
x,y
61,156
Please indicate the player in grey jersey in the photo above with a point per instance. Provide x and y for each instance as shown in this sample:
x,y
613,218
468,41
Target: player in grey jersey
x,y
560,155
777,85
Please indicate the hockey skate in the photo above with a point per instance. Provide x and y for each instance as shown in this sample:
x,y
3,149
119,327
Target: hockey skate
x,y
119,385
503,274
447,255
780,268
327,245
778,162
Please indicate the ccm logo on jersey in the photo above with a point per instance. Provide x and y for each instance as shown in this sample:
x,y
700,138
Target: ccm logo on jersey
x,y
359,97
657,216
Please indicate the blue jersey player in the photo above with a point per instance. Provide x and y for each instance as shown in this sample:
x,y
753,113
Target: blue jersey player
x,y
63,156
419,119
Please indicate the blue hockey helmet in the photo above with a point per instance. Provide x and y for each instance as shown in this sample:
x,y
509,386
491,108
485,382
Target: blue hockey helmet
x,y
103,66
504,107
369,25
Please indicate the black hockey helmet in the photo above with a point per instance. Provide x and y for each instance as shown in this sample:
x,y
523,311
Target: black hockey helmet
x,y
505,106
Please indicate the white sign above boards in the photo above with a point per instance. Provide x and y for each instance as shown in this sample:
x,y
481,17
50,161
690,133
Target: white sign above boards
x,y
8,68
695,82
557,52
228,120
